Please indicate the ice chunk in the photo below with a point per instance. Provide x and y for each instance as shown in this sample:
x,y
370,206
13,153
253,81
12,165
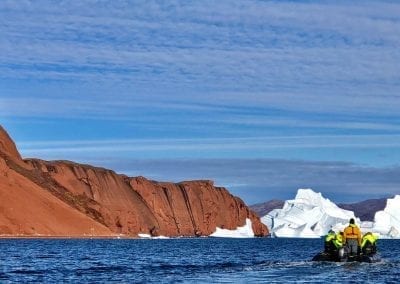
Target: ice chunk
x,y
387,222
309,215
241,232
147,236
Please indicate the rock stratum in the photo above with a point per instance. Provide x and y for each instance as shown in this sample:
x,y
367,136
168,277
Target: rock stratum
x,y
63,198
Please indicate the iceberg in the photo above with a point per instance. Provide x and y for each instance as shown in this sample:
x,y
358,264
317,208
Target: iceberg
x,y
309,215
387,222
245,231
147,236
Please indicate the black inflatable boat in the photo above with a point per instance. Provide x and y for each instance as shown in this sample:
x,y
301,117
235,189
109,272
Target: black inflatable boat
x,y
341,255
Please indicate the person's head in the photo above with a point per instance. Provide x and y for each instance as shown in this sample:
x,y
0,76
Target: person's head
x,y
352,221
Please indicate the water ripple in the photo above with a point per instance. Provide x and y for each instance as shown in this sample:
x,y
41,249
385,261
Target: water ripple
x,y
186,260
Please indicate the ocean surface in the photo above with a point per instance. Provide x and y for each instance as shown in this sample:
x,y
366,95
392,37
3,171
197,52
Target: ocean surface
x,y
198,260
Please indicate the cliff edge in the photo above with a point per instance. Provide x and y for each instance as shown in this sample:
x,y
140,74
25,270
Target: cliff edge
x,y
66,198
7,145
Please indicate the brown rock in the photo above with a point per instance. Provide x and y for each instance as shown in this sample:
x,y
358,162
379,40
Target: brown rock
x,y
111,203
7,145
28,209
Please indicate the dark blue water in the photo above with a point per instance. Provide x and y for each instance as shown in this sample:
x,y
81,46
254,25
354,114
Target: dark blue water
x,y
205,260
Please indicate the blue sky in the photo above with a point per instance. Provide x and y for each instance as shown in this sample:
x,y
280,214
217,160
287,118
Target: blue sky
x,y
261,96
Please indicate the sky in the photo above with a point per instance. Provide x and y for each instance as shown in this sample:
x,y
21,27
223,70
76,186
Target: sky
x,y
263,97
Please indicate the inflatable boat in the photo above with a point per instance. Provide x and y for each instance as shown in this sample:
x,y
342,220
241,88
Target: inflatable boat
x,y
341,255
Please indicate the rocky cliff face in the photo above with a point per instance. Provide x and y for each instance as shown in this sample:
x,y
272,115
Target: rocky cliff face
x,y
119,204
7,145
28,208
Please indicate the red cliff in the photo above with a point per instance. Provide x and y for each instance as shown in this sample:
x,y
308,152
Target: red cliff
x,y
28,208
115,203
7,145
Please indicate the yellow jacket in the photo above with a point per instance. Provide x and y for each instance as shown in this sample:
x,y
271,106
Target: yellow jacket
x,y
352,232
338,240
368,237
329,237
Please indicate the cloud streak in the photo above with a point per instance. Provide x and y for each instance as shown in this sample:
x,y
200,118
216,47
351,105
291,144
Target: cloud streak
x,y
335,57
359,148
258,180
192,45
262,47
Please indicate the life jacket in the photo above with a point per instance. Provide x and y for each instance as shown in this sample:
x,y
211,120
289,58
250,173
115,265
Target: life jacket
x,y
368,237
338,241
352,232
329,237
329,242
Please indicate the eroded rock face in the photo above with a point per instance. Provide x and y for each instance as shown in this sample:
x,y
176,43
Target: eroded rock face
x,y
26,208
7,145
121,204
137,205
194,207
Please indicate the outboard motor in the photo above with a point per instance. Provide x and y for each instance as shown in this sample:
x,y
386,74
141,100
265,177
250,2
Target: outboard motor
x,y
342,254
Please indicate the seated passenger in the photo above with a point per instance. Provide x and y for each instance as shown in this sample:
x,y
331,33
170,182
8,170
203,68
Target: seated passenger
x,y
330,242
338,242
368,243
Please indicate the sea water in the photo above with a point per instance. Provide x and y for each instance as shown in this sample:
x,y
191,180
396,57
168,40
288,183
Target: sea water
x,y
198,260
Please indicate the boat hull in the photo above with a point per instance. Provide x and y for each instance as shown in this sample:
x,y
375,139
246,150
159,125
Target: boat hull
x,y
324,256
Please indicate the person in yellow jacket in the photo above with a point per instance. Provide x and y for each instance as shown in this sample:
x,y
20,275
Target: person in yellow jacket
x,y
368,243
352,237
329,241
333,241
338,240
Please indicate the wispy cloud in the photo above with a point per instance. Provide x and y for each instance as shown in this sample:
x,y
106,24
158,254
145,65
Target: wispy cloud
x,y
383,149
259,46
257,180
288,141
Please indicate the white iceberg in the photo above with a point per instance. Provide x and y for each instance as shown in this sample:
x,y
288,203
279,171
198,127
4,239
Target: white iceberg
x,y
147,236
387,222
309,215
245,231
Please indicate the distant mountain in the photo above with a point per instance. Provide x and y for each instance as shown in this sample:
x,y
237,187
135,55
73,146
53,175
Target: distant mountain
x,y
262,209
365,210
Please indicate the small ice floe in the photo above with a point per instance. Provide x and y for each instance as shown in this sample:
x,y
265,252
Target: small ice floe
x,y
241,232
147,236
